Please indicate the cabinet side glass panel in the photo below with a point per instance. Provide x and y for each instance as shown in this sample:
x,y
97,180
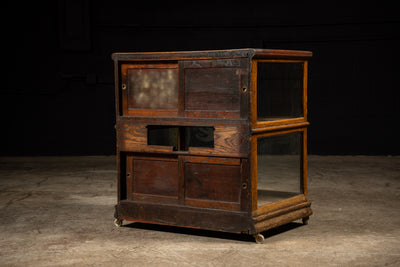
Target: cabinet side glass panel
x,y
279,167
279,90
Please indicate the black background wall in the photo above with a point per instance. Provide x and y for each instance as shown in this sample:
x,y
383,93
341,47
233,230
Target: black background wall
x,y
59,98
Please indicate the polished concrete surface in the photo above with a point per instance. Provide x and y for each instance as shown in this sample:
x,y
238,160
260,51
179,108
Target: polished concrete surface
x,y
58,211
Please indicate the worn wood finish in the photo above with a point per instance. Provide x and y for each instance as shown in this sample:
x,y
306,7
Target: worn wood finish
x,y
186,216
210,186
282,219
245,195
183,121
212,160
253,94
214,182
228,140
211,114
155,177
279,205
211,54
253,172
267,215
133,137
231,140
279,127
121,175
214,87
126,179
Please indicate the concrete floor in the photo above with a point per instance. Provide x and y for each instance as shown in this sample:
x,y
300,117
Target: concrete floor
x,y
59,212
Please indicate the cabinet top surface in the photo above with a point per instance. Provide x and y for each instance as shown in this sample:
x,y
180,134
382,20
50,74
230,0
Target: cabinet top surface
x,y
209,54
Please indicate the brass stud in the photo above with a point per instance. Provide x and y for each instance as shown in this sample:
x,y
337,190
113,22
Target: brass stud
x,y
123,86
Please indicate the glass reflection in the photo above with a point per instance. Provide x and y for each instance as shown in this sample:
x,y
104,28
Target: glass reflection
x,y
279,90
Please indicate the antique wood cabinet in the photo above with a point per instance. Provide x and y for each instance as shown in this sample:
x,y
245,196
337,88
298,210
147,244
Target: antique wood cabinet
x,y
212,139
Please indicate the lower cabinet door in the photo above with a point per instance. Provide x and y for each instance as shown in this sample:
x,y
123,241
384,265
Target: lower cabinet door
x,y
154,178
197,181
212,182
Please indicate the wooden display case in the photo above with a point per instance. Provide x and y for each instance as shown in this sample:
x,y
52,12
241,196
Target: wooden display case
x,y
214,140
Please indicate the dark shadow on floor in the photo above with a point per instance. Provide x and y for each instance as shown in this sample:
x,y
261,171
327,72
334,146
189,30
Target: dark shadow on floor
x,y
213,234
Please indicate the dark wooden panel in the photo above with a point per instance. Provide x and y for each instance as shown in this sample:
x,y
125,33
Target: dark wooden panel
x,y
212,89
127,177
213,182
213,160
122,171
227,54
228,140
272,53
245,93
133,137
282,219
203,121
212,54
232,140
193,217
155,177
245,196
219,114
215,63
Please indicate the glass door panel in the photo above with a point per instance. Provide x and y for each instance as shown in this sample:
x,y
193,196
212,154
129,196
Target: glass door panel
x,y
279,90
279,167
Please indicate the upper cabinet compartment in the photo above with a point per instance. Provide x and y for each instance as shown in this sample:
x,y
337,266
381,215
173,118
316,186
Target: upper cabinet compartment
x,y
149,89
280,91
189,88
266,86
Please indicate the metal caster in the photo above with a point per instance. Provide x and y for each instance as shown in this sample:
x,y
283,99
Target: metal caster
x,y
305,220
118,222
259,238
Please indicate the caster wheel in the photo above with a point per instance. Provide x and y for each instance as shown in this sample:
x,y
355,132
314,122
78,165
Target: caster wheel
x,y
259,238
118,222
305,220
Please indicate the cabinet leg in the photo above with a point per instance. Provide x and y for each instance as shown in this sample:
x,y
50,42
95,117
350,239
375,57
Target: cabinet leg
x,y
305,220
259,238
118,222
